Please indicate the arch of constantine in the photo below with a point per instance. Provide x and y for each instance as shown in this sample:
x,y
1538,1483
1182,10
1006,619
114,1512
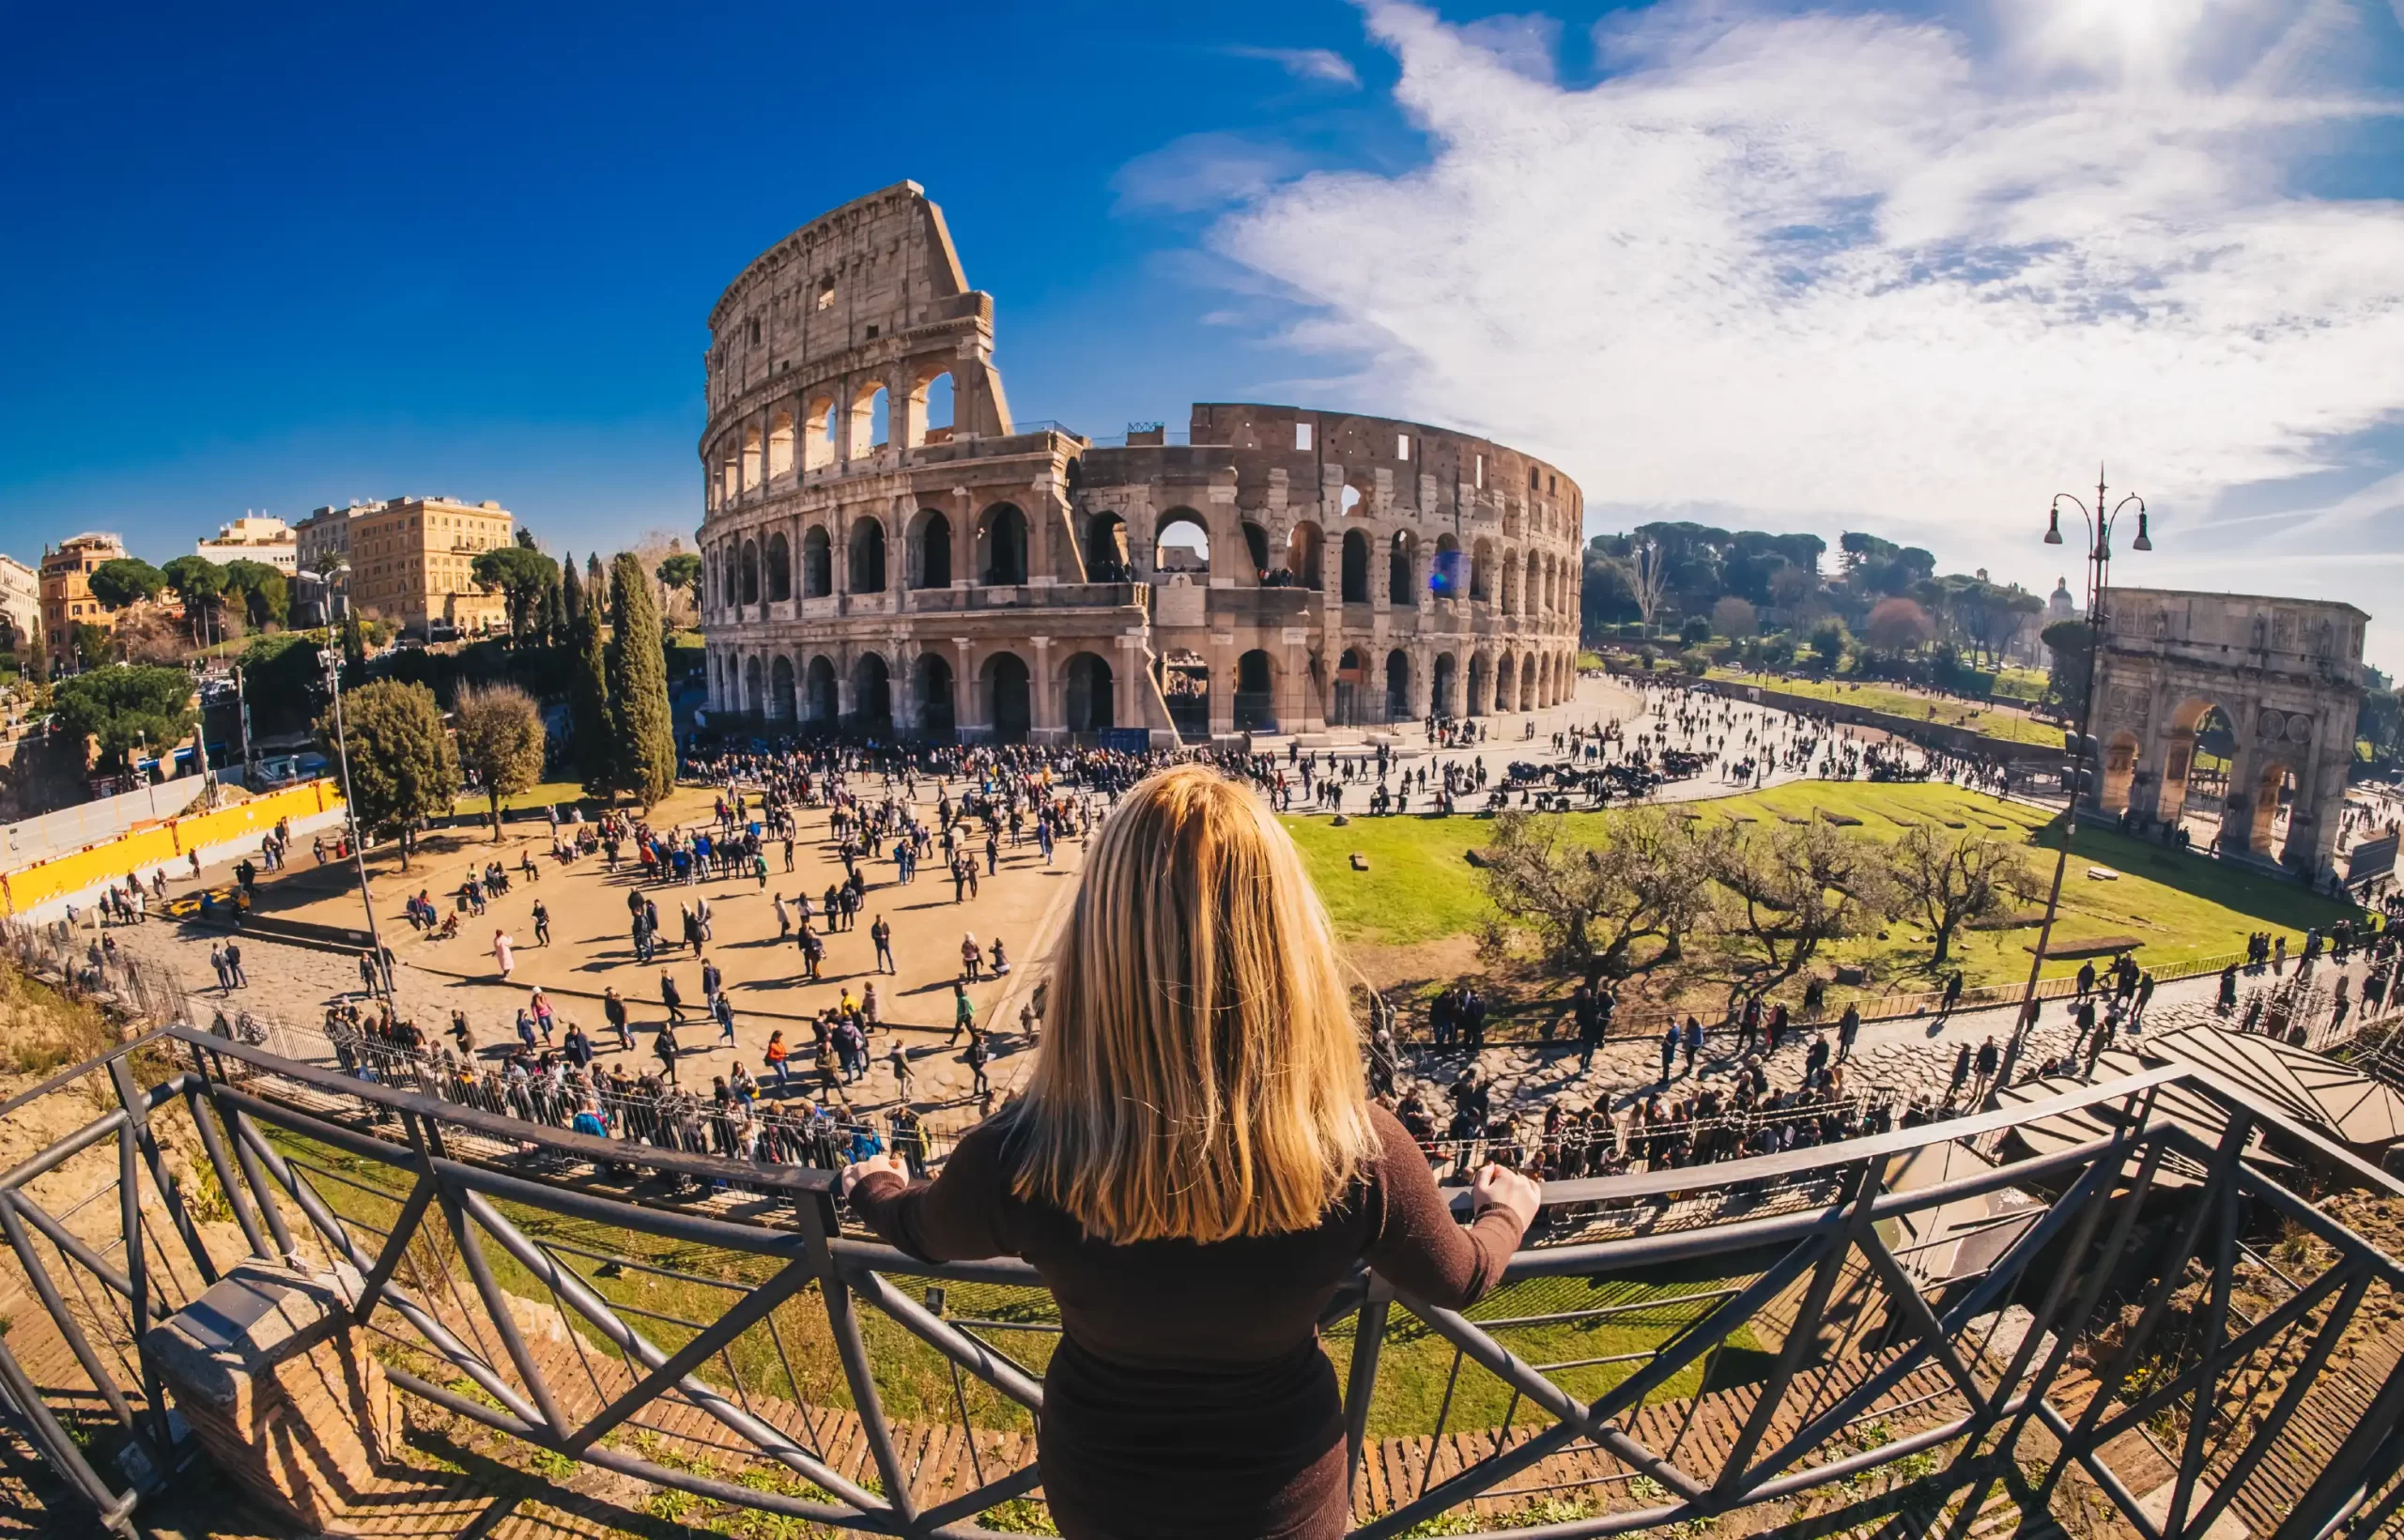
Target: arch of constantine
x,y
885,548
2282,677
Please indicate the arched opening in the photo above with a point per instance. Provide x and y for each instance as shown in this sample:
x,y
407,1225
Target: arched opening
x,y
872,694
2198,752
1481,573
1001,547
1085,694
781,438
818,434
931,548
1353,501
1304,555
1532,695
728,561
1397,686
1442,685
1356,567
2274,812
1181,542
1444,574
2119,771
1400,560
931,411
751,572
1106,549
817,563
868,557
1506,683
1256,693
780,567
1185,684
932,684
1480,675
751,696
869,429
1535,594
750,458
1510,585
1009,699
1351,676
1255,550
729,479
781,694
819,700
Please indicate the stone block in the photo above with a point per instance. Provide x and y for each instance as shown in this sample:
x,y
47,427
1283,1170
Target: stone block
x,y
281,1391
1359,862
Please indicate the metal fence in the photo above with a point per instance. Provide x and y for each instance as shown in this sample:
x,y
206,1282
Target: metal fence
x,y
1840,1339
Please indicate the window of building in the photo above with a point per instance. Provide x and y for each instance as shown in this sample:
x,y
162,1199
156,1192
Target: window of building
x,y
1402,446
826,294
1302,436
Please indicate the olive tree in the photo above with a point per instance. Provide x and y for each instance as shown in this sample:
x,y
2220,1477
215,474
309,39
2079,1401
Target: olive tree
x,y
1791,888
1956,878
1592,902
499,730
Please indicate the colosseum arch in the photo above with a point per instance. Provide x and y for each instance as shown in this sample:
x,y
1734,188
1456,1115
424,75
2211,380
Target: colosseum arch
x,y
1528,700
2288,673
817,562
1256,700
750,573
872,693
1008,689
1087,689
1305,555
1445,578
818,434
1443,685
1480,685
752,459
1506,683
1397,686
1402,569
931,409
781,694
751,691
1001,547
821,701
778,568
869,425
1356,566
1107,550
930,560
931,685
1255,550
1510,583
865,574
1181,542
781,438
1481,572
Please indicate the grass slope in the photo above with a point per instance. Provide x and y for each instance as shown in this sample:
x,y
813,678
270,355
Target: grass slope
x,y
1419,887
1989,721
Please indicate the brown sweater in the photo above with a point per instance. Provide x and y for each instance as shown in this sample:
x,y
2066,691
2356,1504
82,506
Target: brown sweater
x,y
1189,1398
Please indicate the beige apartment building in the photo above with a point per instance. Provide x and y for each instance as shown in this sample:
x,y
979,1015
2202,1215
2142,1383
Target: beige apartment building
x,y
252,538
66,583
411,562
19,603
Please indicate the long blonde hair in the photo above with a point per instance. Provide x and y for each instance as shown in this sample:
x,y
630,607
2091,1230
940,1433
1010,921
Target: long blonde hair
x,y
1200,1077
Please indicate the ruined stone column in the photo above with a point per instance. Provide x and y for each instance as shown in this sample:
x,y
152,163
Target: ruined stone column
x,y
282,1392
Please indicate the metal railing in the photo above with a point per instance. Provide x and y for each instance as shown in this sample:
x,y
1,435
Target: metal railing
x,y
1840,1333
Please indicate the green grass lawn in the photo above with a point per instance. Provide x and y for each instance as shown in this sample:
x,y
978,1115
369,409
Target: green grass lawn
x,y
539,795
2001,722
1419,887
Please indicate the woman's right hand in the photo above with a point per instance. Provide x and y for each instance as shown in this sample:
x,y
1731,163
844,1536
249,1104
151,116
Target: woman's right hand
x,y
1500,1187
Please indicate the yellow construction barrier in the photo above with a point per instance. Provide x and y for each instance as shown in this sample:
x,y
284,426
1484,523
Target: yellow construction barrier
x,y
140,849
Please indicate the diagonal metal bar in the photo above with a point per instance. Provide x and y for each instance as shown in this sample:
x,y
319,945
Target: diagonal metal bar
x,y
329,1227
57,1445
46,1290
212,1143
137,1111
137,1271
2267,1433
2199,1416
2003,1274
396,1244
1361,1376
1801,1336
81,1252
505,1321
1922,1320
986,1363
2234,1351
2340,1486
253,1175
699,1350
858,1372
592,1307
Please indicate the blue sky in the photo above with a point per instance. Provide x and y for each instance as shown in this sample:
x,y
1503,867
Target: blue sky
x,y
1910,269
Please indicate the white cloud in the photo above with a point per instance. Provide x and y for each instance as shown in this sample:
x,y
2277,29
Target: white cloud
x,y
1324,65
1203,171
1861,267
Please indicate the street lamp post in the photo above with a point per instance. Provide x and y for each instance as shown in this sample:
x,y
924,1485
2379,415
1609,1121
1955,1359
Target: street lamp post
x,y
2099,584
331,659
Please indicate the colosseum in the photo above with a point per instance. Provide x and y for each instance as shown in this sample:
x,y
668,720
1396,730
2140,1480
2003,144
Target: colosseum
x,y
885,549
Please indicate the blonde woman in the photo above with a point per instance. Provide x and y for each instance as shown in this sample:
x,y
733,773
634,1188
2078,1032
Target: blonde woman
x,y
1194,1168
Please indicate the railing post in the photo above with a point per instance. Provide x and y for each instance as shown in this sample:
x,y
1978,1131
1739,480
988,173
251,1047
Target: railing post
x,y
857,1370
1360,1377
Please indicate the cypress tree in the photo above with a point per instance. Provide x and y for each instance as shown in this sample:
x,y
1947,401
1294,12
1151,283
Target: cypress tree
x,y
642,731
596,584
572,590
588,701
555,612
354,643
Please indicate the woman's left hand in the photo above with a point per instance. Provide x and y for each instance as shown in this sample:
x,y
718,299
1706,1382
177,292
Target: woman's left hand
x,y
860,1169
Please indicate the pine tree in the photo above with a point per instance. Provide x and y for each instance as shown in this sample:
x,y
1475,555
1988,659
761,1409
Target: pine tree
x,y
642,732
572,590
588,701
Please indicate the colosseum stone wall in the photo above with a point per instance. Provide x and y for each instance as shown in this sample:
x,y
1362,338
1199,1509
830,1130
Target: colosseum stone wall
x,y
885,550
